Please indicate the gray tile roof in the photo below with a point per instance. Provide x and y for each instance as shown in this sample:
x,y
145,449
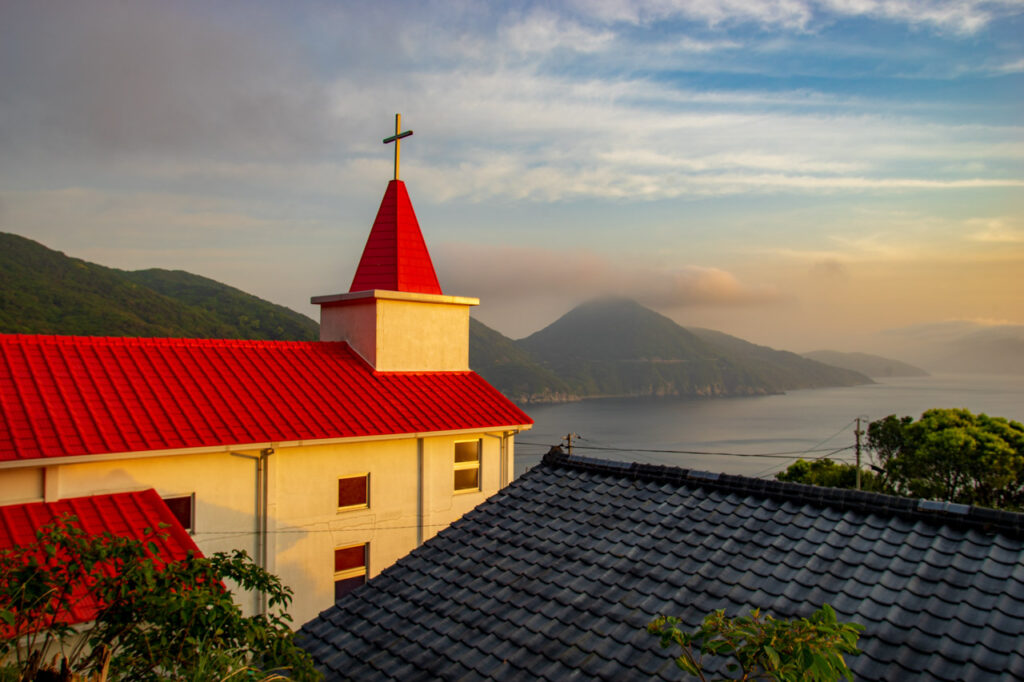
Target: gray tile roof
x,y
555,577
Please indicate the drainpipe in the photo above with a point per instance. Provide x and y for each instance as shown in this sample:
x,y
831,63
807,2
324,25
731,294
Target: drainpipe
x,y
421,492
262,521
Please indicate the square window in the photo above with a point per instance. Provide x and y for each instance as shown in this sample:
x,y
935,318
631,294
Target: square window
x,y
354,492
349,568
181,509
467,465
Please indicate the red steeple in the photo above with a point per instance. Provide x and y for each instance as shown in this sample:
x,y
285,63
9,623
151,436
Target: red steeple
x,y
395,257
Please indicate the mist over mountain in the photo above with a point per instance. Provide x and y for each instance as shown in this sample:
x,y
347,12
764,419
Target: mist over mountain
x,y
961,346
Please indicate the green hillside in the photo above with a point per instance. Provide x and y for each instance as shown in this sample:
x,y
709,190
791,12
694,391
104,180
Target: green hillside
x,y
511,368
253,317
45,292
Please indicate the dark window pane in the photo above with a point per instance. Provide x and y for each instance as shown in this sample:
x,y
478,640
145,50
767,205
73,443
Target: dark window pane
x,y
343,587
352,491
181,508
467,479
467,452
350,557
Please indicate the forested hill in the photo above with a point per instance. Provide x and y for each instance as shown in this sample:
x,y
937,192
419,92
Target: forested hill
x,y
45,292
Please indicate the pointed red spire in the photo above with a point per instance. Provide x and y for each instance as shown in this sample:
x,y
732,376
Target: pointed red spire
x,y
395,257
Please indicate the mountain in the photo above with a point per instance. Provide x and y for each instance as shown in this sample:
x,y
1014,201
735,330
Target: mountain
x,y
42,291
616,347
874,366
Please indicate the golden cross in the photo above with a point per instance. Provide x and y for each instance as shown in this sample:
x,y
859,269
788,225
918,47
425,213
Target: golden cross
x,y
397,139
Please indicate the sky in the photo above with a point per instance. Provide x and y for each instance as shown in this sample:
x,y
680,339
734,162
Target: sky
x,y
801,173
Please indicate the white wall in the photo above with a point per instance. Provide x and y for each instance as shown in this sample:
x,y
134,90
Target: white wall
x,y
305,525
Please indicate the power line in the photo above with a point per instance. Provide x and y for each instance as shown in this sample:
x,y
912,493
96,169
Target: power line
x,y
780,455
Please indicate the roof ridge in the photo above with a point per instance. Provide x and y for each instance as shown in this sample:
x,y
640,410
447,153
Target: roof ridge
x,y
943,513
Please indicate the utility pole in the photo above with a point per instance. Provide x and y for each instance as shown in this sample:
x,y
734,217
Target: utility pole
x,y
568,440
857,434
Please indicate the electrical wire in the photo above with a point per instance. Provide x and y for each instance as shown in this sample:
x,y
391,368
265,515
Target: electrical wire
x,y
779,455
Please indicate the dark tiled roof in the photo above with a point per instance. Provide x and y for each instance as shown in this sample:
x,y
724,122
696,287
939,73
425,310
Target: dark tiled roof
x,y
555,577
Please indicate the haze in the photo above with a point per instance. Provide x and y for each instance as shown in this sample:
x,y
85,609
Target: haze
x,y
803,174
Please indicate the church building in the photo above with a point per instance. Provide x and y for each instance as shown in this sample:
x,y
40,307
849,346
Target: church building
x,y
327,461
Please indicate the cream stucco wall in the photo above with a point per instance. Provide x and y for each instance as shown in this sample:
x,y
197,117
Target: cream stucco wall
x,y
398,331
411,499
21,485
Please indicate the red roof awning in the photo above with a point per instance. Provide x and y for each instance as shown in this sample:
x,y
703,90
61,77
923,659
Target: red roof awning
x,y
121,514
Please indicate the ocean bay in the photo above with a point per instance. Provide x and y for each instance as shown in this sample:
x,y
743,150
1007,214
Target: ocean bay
x,y
809,423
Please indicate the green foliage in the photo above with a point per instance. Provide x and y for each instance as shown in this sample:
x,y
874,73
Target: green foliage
x,y
155,621
764,647
825,472
952,455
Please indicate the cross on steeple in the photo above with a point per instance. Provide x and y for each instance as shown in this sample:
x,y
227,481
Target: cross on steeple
x,y
397,139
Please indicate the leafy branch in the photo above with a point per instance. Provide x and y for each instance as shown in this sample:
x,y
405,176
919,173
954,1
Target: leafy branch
x,y
764,647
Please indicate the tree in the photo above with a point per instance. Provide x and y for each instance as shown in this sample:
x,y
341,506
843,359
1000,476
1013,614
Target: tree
x,y
154,620
952,455
826,472
764,647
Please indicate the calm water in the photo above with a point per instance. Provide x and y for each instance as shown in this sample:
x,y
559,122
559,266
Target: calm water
x,y
812,421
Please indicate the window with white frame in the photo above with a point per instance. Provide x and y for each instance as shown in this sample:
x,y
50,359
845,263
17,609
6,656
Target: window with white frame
x,y
467,465
353,492
349,568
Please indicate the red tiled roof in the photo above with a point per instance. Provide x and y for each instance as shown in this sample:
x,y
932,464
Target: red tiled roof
x,y
395,257
68,395
120,514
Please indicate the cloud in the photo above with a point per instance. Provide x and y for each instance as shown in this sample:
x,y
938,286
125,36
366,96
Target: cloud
x,y
1011,67
830,268
544,31
524,134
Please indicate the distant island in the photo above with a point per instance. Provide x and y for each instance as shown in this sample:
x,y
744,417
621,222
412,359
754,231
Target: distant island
x,y
605,348
874,366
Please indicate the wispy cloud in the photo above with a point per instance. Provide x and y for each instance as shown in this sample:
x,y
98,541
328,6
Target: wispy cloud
x,y
544,31
964,16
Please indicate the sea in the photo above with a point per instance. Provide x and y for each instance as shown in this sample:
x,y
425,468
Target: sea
x,y
754,436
